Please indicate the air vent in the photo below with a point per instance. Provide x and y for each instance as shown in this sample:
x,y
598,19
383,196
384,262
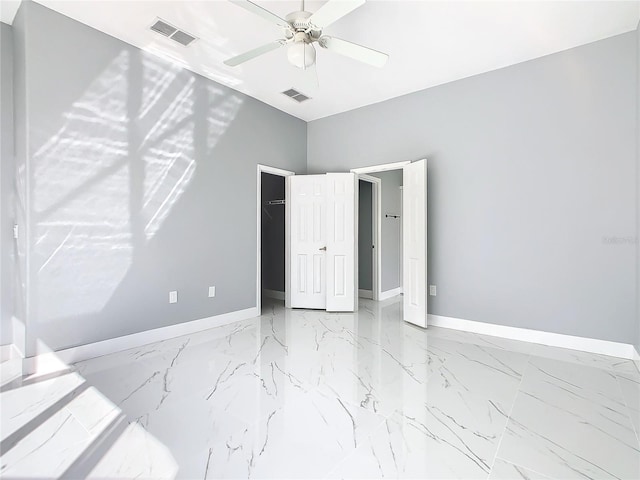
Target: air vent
x,y
166,29
163,28
295,95
182,38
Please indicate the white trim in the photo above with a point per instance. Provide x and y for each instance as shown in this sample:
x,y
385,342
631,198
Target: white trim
x,y
9,352
376,186
365,293
11,368
390,293
272,294
10,363
273,171
18,334
12,354
602,347
401,277
369,178
287,243
47,361
380,168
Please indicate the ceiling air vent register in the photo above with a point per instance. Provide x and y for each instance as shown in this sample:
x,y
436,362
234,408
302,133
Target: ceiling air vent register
x,y
166,29
295,95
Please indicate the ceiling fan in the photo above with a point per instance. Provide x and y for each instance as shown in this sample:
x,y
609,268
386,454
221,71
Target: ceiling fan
x,y
302,29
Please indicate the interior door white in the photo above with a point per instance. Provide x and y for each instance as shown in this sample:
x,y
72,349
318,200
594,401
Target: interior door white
x,y
307,232
342,242
414,242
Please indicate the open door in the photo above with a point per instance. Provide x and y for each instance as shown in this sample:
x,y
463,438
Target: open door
x,y
414,242
323,234
308,241
342,242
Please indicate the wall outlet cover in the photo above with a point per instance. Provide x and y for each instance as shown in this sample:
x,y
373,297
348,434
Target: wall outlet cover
x,y
173,297
212,292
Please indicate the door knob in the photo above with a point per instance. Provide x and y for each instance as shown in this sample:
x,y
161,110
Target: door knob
x,y
324,249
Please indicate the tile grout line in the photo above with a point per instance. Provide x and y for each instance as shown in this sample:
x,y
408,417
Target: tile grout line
x,y
626,405
602,369
513,404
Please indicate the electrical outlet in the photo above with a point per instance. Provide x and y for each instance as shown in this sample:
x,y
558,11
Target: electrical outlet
x,y
173,297
432,290
212,292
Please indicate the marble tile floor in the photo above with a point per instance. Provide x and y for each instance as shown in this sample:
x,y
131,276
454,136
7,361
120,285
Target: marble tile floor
x,y
311,394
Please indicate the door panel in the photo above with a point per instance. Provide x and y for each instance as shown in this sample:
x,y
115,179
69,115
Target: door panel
x,y
414,243
308,222
342,242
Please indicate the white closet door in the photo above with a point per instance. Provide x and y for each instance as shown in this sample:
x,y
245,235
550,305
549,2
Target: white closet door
x,y
307,233
342,242
414,242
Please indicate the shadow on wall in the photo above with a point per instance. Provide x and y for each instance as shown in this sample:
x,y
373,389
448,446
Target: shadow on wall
x,y
106,181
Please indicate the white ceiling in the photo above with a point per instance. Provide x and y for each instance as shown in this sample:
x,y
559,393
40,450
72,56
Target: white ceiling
x,y
429,42
8,9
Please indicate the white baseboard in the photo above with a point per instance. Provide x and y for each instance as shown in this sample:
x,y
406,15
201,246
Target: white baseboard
x,y
47,361
9,352
10,363
18,332
603,347
390,293
272,294
365,293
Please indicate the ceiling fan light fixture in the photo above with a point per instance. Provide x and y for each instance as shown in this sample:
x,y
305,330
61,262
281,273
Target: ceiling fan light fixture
x,y
301,55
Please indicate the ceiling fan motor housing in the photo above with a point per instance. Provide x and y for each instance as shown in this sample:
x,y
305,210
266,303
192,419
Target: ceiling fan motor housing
x,y
301,53
299,22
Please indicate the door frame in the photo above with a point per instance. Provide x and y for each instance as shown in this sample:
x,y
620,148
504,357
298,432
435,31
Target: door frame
x,y
281,173
376,190
380,168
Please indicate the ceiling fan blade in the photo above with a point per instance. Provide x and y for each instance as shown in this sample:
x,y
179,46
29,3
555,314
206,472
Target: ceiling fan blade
x,y
256,52
333,10
353,50
261,12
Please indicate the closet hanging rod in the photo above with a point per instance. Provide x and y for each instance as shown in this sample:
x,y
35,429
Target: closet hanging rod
x,y
274,202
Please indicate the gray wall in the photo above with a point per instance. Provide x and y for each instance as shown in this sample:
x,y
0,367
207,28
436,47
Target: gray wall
x,y
365,235
273,233
391,229
531,186
141,179
7,176
637,342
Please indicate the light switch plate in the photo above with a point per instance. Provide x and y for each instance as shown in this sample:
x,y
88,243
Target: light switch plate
x,y
432,290
173,297
212,292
